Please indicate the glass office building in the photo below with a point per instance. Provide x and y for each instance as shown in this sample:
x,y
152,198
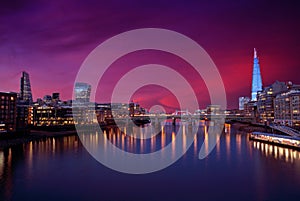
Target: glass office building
x,y
25,92
82,92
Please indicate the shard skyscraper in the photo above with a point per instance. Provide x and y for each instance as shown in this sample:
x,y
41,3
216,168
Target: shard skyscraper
x,y
256,78
25,92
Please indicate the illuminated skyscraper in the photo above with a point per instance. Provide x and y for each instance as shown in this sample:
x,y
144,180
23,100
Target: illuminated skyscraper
x,y
83,111
256,78
82,92
25,93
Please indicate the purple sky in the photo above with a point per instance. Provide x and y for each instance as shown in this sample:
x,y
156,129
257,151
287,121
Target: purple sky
x,y
51,40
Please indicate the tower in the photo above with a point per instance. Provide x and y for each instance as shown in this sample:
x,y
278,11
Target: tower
x,y
82,92
256,78
25,93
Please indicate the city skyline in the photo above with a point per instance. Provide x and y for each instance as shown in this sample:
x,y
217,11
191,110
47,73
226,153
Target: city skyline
x,y
52,53
149,100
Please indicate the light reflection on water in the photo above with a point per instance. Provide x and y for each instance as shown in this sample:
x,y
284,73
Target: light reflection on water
x,y
27,163
277,152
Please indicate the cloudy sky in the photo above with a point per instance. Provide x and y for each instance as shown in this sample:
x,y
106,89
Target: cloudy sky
x,y
50,40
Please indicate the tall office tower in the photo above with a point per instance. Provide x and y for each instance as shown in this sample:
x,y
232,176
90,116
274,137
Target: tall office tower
x,y
82,92
256,78
25,93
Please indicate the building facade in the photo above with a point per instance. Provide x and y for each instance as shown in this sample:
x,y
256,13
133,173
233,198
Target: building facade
x,y
41,116
250,110
82,92
265,101
287,108
242,102
8,112
23,118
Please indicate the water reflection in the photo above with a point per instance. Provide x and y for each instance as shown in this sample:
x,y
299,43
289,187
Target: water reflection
x,y
22,162
6,172
27,155
227,140
132,143
234,142
238,140
137,142
277,152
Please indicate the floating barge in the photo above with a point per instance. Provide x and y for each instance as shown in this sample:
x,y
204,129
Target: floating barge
x,y
281,140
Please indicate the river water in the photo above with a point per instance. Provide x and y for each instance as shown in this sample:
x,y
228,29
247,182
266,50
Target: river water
x,y
237,169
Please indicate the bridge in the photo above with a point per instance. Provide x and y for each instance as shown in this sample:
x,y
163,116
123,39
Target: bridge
x,y
182,112
184,116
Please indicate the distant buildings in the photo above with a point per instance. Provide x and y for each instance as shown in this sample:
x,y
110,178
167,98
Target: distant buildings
x,y
200,112
242,102
14,108
55,97
25,91
47,99
277,103
135,109
121,109
106,112
103,112
18,113
8,112
213,109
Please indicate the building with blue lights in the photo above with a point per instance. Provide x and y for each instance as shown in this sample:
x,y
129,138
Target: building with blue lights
x,y
256,78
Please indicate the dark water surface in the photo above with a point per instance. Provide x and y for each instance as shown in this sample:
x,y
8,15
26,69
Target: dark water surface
x,y
237,169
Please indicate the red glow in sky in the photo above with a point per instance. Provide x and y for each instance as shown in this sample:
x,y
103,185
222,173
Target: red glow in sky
x,y
50,40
